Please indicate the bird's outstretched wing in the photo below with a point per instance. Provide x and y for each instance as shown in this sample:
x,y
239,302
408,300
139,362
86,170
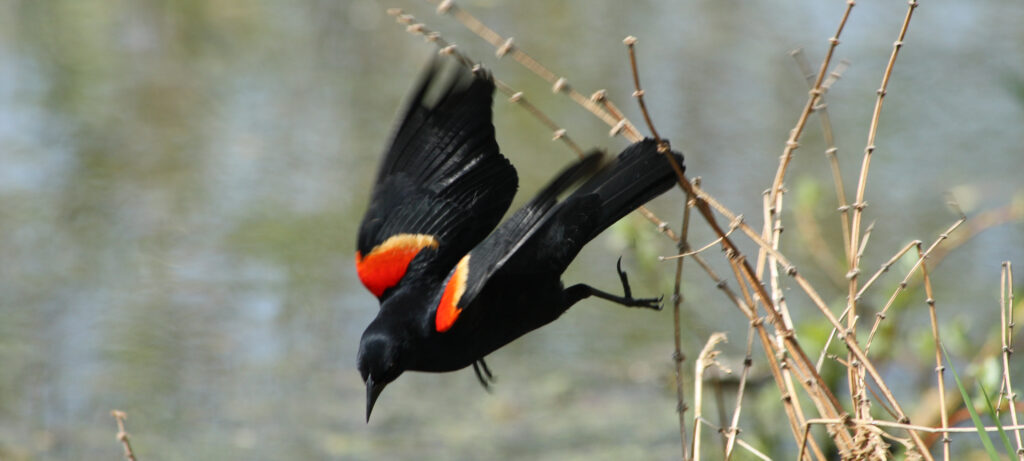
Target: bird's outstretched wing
x,y
546,235
442,187
474,270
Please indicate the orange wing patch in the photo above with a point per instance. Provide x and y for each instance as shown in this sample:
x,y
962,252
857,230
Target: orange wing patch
x,y
386,263
448,310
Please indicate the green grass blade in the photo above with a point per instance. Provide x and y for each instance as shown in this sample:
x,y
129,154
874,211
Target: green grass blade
x,y
985,439
995,417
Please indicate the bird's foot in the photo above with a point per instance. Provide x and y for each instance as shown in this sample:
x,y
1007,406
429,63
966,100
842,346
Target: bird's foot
x,y
483,374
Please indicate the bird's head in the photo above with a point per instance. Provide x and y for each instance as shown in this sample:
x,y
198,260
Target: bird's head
x,y
380,361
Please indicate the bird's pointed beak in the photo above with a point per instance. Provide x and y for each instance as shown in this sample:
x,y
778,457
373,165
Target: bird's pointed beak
x,y
372,392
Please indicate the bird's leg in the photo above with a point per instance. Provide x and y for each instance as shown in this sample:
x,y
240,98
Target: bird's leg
x,y
580,291
483,374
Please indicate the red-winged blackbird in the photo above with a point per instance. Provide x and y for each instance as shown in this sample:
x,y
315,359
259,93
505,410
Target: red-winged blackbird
x,y
450,293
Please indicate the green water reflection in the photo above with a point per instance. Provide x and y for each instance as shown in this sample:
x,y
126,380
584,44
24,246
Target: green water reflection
x,y
180,183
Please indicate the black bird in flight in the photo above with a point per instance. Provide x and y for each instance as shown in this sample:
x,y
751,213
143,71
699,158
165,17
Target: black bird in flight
x,y
452,291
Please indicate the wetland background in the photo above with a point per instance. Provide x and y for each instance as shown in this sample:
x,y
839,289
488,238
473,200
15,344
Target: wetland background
x,y
180,185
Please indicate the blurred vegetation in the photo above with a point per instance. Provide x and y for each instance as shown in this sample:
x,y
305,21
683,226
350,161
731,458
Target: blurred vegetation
x,y
182,180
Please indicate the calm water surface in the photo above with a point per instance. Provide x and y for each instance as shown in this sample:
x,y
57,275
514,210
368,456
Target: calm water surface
x,y
180,184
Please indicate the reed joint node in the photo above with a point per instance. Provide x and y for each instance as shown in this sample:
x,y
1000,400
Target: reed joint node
x,y
560,85
791,271
940,369
748,361
853,273
678,357
721,284
617,128
904,419
897,43
629,40
676,298
638,93
505,48
930,302
833,41
415,29
880,92
792,145
559,134
880,315
516,97
432,36
444,6
405,18
447,51
599,96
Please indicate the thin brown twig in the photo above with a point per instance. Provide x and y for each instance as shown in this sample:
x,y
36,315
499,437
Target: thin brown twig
x,y
939,368
739,441
506,47
881,315
885,268
122,435
706,359
913,427
733,431
514,96
858,204
1006,338
638,93
790,400
677,353
831,151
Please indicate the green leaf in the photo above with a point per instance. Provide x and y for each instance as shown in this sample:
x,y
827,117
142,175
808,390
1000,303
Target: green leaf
x,y
995,417
985,439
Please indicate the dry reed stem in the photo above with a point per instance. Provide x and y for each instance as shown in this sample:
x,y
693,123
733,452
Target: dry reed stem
x,y
915,428
677,353
704,203
775,194
1006,341
638,93
881,315
739,441
505,46
122,435
514,96
702,249
885,268
733,431
794,135
939,368
831,150
858,204
790,400
705,360
856,377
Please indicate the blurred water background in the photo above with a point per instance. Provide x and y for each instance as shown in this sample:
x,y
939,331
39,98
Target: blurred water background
x,y
181,181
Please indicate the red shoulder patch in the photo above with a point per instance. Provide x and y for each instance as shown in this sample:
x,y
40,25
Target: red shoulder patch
x,y
448,310
385,265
